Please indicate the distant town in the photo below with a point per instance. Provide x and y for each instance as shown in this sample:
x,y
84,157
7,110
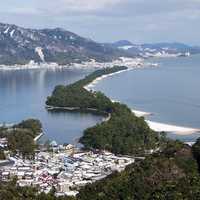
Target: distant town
x,y
64,167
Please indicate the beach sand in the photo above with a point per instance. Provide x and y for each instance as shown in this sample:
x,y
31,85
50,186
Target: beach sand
x,y
139,113
156,126
178,130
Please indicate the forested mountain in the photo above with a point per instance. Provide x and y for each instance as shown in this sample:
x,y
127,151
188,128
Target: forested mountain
x,y
20,45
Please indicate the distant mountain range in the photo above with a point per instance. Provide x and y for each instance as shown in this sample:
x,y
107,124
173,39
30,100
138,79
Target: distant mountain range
x,y
157,49
20,46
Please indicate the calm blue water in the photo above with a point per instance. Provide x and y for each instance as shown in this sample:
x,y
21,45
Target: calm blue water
x,y
171,91
23,94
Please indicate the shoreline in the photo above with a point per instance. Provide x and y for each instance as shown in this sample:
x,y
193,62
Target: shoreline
x,y
140,113
136,64
156,126
106,116
6,125
38,137
174,129
89,86
164,127
91,64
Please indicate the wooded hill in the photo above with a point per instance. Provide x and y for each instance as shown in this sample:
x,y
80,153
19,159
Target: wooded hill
x,y
124,133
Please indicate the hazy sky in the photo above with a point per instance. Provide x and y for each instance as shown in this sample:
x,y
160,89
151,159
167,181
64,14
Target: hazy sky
x,y
111,20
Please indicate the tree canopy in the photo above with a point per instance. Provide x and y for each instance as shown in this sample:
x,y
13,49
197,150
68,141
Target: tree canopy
x,y
21,137
171,174
124,133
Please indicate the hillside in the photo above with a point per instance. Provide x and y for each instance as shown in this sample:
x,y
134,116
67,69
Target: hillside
x,y
172,174
20,45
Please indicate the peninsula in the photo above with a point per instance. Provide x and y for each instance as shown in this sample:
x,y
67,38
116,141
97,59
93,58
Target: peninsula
x,y
123,133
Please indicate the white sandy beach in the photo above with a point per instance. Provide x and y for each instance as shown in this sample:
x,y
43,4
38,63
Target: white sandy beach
x,y
158,127
131,63
141,113
91,85
38,137
168,128
179,130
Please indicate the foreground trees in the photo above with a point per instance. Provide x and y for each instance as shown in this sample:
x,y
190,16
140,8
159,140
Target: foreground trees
x,y
2,155
168,175
32,125
124,133
21,137
171,174
21,141
9,191
196,151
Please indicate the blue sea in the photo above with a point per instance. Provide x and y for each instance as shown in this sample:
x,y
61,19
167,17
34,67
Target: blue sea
x,y
23,94
169,91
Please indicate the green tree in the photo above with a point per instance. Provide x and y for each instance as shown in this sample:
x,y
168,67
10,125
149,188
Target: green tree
x,y
2,155
196,151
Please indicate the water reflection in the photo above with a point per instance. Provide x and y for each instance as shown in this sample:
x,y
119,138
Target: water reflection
x,y
23,94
